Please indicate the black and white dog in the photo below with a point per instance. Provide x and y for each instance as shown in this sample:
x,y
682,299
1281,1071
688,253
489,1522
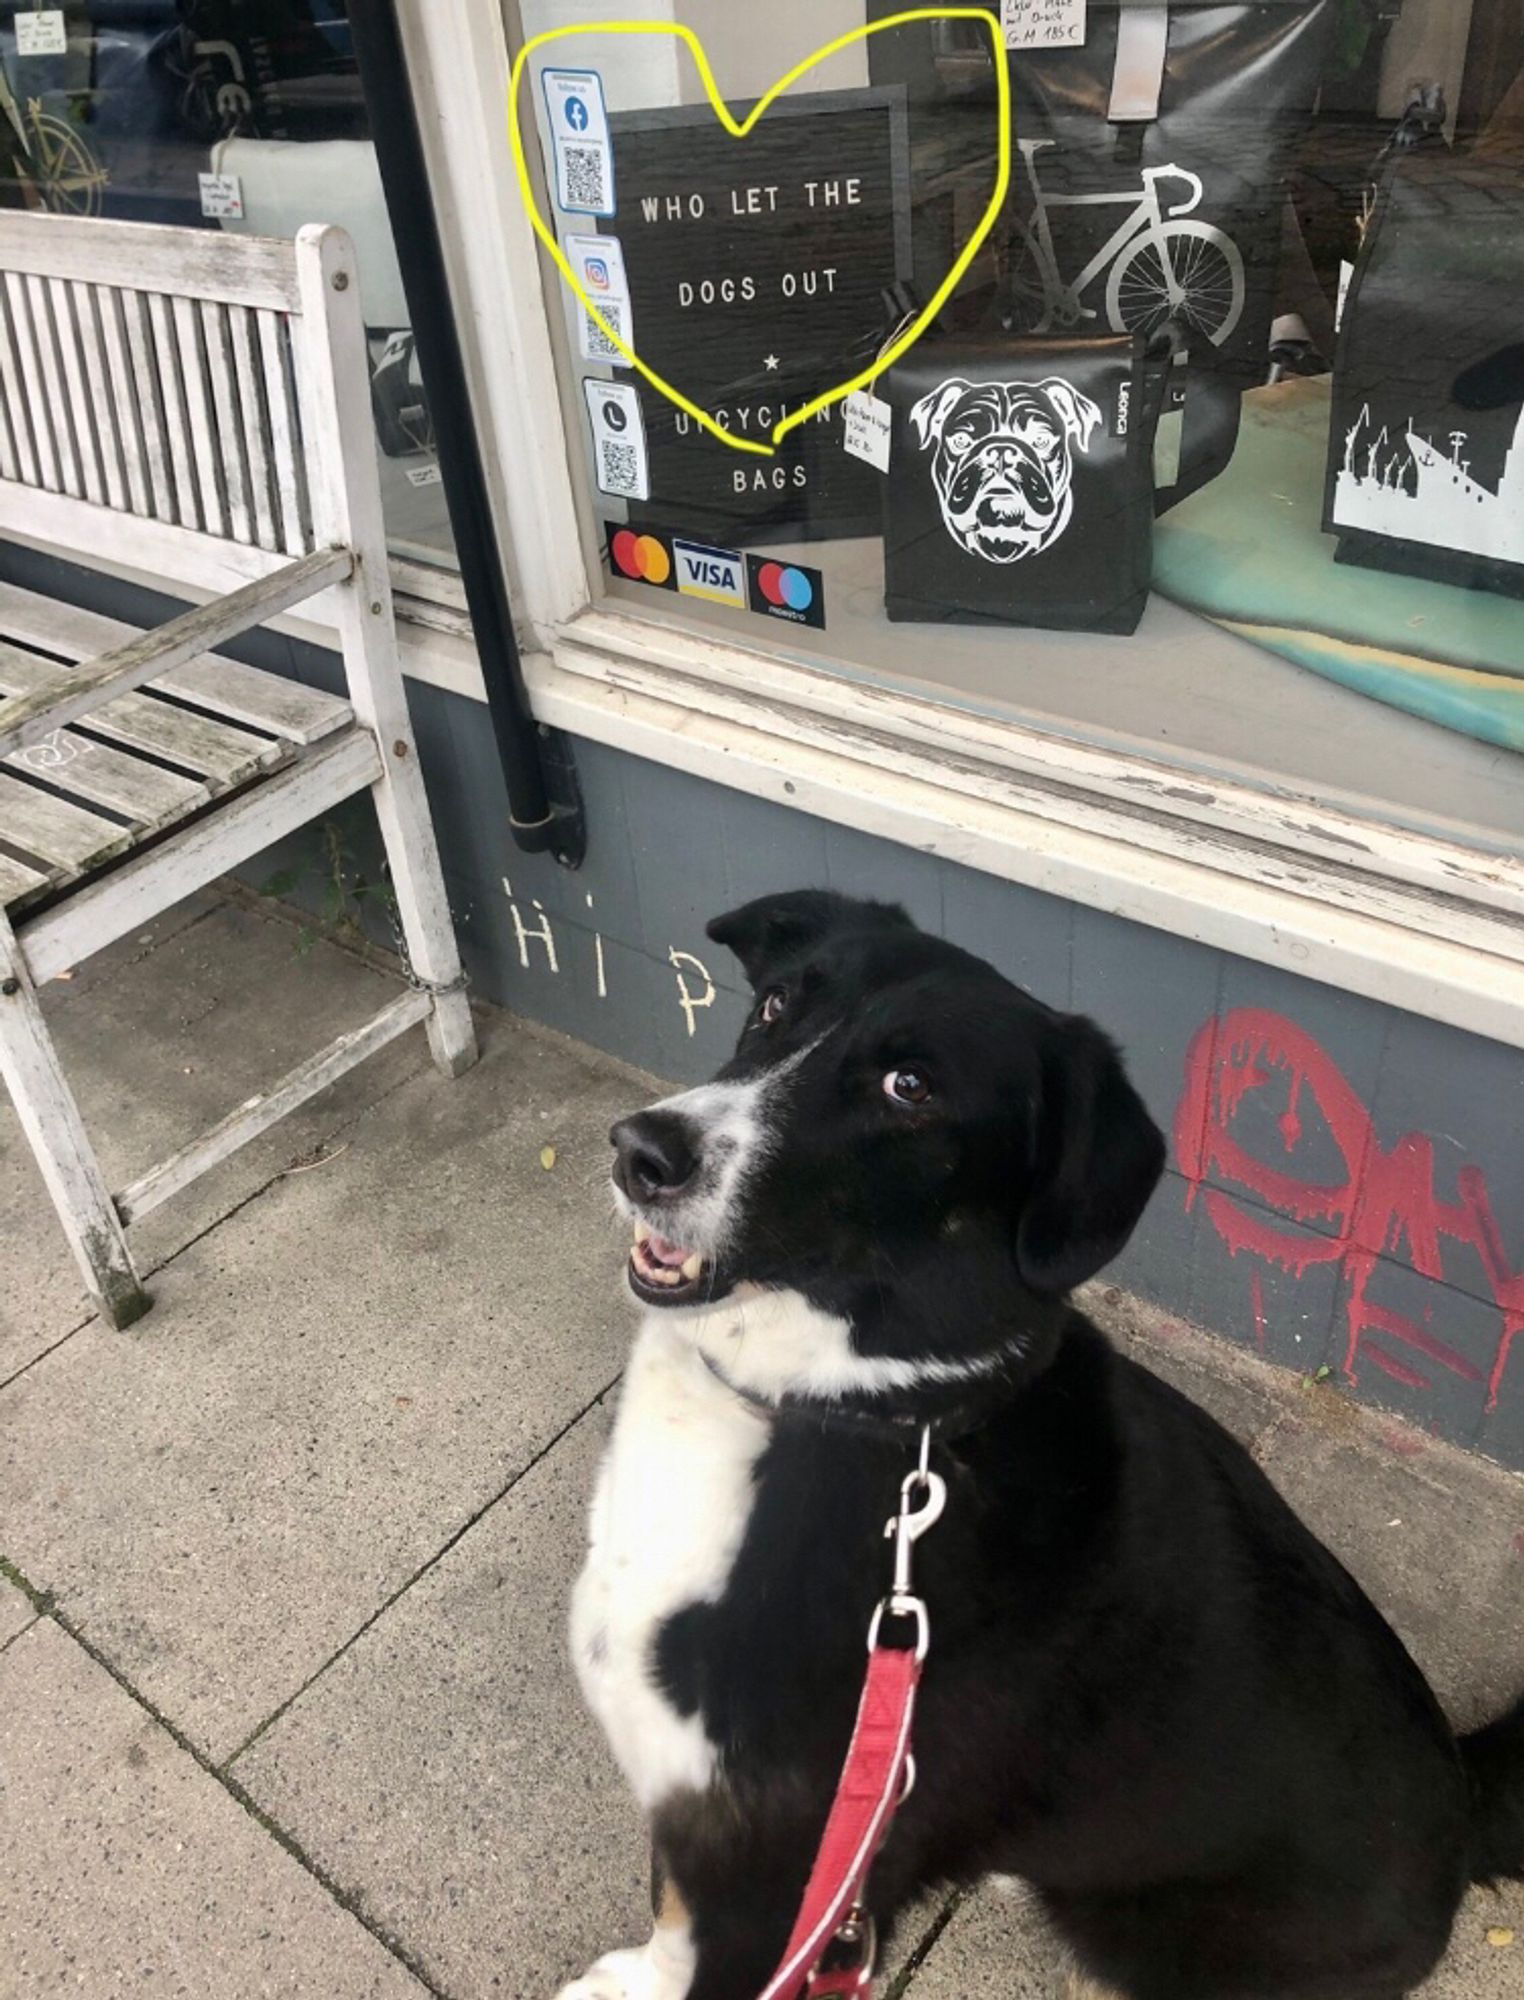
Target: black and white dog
x,y
1003,461
1151,1693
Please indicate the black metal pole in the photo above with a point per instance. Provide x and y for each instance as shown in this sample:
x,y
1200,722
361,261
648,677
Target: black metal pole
x,y
543,798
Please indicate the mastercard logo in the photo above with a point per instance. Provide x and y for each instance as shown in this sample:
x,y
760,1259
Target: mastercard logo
x,y
783,585
645,558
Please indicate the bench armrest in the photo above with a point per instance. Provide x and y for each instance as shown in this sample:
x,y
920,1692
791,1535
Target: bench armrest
x,y
28,718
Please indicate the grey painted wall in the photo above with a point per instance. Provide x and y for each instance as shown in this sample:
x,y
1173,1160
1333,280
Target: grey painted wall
x,y
1346,1187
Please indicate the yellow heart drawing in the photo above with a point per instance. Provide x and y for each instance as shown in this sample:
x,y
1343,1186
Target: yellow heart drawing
x,y
907,339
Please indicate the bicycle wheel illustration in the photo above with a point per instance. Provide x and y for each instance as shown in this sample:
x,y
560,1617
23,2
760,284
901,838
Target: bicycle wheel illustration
x,y
69,177
1199,260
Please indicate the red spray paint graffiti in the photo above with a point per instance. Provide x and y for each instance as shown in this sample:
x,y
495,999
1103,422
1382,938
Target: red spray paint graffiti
x,y
1384,1203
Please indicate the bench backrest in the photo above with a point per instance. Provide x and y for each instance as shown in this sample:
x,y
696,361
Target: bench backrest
x,y
168,397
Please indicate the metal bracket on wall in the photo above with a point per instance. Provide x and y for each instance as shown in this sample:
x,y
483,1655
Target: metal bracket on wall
x,y
567,835
544,798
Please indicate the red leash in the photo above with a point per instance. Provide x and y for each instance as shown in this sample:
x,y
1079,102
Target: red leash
x,y
830,1954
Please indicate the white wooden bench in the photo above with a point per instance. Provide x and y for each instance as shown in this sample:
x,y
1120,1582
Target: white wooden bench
x,y
195,406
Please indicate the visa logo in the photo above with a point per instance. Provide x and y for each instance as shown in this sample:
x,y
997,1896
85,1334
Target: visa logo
x,y
718,574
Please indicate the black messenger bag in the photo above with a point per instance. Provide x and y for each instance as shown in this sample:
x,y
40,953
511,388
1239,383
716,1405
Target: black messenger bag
x,y
1148,176
1020,488
1426,443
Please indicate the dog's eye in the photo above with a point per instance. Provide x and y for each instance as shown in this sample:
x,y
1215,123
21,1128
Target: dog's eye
x,y
774,1001
907,1086
960,441
1043,438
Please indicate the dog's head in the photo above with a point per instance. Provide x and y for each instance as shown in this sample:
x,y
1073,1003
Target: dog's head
x,y
905,1145
1003,466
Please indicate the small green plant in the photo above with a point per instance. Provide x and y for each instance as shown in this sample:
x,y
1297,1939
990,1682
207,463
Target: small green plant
x,y
343,890
1319,1375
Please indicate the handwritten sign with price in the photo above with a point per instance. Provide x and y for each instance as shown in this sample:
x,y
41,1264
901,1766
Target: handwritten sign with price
x,y
1043,24
43,32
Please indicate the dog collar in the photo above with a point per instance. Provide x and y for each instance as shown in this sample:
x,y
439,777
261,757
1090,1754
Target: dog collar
x,y
953,1420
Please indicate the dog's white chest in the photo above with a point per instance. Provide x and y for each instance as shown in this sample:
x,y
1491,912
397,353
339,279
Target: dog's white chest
x,y
669,1512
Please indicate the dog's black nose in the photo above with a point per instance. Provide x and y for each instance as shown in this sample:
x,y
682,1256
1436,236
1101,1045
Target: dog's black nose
x,y
655,1155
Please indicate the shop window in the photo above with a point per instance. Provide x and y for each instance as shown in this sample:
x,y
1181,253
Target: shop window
x,y
243,115
1214,449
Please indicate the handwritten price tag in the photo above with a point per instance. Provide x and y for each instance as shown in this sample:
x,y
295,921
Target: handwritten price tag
x,y
221,196
866,428
1043,24
42,33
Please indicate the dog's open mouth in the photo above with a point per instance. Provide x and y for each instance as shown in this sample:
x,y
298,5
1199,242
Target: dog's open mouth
x,y
663,1273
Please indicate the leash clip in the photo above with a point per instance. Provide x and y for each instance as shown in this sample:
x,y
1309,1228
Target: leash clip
x,y
846,1966
906,1528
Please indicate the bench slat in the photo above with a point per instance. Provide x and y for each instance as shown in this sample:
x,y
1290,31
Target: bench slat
x,y
226,687
39,409
17,880
64,836
93,774
215,751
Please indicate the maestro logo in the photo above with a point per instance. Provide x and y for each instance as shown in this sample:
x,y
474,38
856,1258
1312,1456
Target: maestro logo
x,y
986,20
786,590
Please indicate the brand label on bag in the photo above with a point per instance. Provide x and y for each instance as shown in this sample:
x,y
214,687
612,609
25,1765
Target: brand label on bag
x,y
865,428
42,33
1043,24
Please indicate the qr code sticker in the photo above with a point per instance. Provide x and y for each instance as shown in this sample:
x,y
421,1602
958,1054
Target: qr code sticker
x,y
587,186
599,346
619,469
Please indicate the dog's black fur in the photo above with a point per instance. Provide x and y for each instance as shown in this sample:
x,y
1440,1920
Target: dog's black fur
x,y
1151,1692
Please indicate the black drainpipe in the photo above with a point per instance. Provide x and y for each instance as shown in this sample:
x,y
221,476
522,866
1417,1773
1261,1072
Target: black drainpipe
x,y
544,800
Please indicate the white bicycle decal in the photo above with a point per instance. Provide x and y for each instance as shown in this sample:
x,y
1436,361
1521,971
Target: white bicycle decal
x,y
1161,267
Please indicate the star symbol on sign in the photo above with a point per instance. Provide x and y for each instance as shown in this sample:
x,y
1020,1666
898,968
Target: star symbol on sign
x,y
769,361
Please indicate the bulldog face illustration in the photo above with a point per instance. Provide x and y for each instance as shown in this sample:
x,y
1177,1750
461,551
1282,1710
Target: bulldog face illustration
x,y
1002,465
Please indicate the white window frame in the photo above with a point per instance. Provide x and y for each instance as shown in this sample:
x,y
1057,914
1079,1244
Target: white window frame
x,y
1395,914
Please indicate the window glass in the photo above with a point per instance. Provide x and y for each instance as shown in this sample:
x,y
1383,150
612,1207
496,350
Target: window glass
x,y
1214,446
243,115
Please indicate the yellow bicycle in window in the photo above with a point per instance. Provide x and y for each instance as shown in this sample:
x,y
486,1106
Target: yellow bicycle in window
x,y
53,158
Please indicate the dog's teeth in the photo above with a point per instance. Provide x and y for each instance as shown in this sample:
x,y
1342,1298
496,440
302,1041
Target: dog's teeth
x,y
642,1231
693,1265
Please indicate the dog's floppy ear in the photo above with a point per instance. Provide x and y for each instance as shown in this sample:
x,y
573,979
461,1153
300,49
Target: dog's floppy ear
x,y
778,927
1080,415
1098,1159
929,415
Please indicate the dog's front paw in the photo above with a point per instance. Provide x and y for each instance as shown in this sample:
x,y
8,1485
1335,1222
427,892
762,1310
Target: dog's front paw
x,y
619,1975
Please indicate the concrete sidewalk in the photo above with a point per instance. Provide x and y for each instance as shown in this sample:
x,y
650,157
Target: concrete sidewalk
x,y
284,1701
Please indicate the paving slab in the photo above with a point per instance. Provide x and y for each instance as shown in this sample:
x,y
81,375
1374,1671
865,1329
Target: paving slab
x,y
998,1947
16,1612
333,1384
1431,1533
126,1868
445,1773
160,1036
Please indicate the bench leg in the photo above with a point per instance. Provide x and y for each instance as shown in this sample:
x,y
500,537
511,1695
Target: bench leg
x,y
407,830
51,1121
423,908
